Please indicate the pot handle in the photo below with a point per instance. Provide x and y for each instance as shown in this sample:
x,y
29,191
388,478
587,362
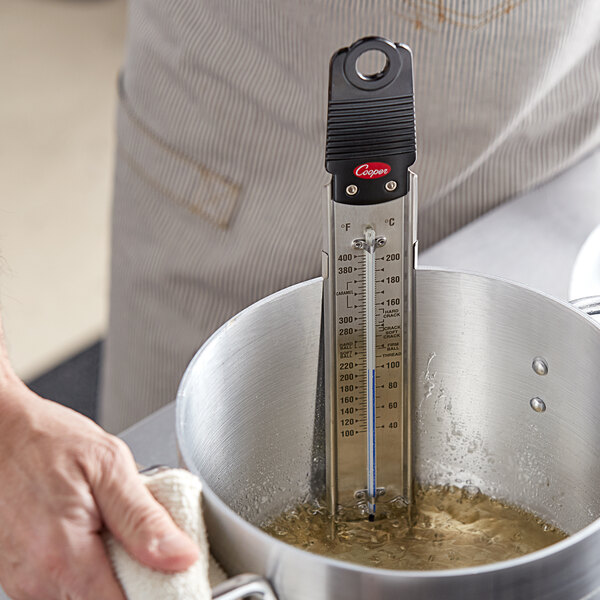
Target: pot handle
x,y
238,587
242,586
589,305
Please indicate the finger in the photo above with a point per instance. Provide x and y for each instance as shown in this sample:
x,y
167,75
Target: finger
x,y
137,520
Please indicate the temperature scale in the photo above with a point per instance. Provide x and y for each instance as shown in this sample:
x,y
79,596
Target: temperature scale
x,y
368,268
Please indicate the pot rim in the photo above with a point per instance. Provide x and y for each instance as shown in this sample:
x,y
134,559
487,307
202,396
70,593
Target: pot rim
x,y
513,563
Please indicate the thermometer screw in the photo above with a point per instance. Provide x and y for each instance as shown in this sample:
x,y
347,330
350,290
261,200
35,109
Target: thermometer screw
x,y
351,190
390,186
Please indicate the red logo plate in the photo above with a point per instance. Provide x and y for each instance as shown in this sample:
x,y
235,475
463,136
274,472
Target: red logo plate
x,y
372,170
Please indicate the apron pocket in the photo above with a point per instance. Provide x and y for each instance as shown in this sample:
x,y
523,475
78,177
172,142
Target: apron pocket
x,y
176,176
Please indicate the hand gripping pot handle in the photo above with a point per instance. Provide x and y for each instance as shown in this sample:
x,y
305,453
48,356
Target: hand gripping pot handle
x,y
238,587
243,586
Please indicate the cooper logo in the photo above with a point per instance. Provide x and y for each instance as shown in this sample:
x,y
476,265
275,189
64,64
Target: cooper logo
x,y
372,170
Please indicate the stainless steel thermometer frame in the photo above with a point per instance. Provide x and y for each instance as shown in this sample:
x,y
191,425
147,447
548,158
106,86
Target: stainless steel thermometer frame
x,y
368,268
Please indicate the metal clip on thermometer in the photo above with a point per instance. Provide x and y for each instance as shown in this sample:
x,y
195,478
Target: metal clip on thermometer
x,y
368,268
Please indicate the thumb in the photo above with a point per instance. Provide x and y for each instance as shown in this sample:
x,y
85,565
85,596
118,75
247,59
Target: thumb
x,y
136,519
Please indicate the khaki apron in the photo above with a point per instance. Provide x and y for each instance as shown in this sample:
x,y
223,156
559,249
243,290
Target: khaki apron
x,y
220,159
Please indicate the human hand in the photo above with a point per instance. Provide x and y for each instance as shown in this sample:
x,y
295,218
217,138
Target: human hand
x,y
62,479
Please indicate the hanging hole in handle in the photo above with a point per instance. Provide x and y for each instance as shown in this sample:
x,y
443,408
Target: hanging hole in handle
x,y
372,65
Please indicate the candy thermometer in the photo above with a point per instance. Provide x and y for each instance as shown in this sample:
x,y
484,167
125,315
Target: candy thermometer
x,y
368,268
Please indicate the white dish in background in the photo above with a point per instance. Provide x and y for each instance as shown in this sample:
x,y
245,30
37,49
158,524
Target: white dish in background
x,y
585,276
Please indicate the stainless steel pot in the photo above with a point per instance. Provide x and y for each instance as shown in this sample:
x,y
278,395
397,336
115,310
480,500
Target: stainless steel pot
x,y
249,423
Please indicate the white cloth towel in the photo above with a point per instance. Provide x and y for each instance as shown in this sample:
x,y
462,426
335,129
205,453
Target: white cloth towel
x,y
180,493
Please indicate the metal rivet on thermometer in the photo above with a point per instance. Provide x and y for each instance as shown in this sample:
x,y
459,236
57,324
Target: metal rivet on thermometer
x,y
369,295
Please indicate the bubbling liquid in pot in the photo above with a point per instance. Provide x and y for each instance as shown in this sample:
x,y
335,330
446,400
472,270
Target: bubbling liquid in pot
x,y
447,528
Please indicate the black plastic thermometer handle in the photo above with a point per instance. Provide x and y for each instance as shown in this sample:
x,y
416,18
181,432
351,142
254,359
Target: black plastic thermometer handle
x,y
371,140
